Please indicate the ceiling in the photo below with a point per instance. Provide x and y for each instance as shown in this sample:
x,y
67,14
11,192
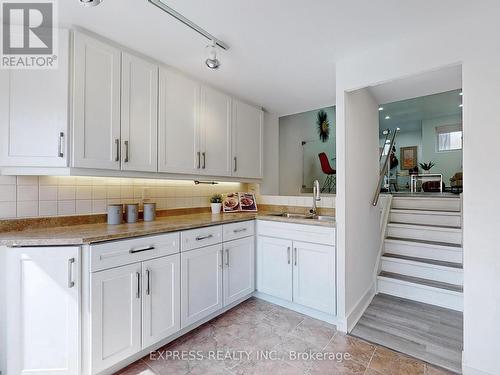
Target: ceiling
x,y
283,52
409,114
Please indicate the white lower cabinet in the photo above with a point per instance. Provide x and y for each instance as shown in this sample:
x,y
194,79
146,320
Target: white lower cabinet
x,y
274,267
239,269
161,299
42,310
297,271
201,285
116,315
314,276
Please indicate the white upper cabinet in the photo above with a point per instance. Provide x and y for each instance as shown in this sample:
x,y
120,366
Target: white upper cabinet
x,y
34,114
96,104
215,133
139,120
178,133
247,140
43,311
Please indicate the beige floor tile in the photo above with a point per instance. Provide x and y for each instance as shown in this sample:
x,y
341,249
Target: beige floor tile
x,y
388,362
315,332
359,350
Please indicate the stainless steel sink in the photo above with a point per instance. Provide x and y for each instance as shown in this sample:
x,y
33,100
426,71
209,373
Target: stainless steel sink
x,y
304,217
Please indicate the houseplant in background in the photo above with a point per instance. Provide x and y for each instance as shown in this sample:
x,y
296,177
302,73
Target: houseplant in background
x,y
427,166
216,203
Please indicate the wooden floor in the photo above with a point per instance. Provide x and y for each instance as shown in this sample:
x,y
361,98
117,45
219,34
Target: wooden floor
x,y
429,333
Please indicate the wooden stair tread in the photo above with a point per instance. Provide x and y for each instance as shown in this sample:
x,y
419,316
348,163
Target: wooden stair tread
x,y
436,243
420,281
425,260
426,225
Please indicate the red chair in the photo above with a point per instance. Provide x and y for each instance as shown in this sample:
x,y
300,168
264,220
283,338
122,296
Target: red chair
x,y
331,174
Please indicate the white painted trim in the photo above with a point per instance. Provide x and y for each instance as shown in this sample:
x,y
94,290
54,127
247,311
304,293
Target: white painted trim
x,y
332,319
466,370
384,221
360,307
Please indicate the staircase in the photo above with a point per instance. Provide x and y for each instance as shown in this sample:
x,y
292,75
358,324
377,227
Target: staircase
x,y
422,258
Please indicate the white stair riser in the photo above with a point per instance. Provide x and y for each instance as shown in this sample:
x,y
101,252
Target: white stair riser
x,y
427,219
454,237
447,254
425,271
432,296
437,204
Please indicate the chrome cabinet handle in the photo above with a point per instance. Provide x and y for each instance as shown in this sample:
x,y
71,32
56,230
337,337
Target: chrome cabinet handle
x,y
227,257
199,160
295,255
71,282
204,154
60,152
117,143
239,230
126,152
138,293
235,164
133,251
201,238
221,265
148,283
288,254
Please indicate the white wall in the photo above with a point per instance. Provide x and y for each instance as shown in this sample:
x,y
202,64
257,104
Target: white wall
x,y
474,45
447,163
360,172
270,183
293,130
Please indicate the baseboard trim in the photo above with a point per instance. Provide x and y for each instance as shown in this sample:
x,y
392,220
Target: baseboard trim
x,y
332,319
359,308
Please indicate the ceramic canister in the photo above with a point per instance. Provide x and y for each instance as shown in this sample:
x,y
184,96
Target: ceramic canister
x,y
132,213
115,214
149,211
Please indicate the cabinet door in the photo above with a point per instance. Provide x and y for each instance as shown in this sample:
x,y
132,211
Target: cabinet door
x,y
247,134
274,267
161,291
215,133
139,116
239,269
115,315
178,134
34,114
43,335
96,104
314,276
201,283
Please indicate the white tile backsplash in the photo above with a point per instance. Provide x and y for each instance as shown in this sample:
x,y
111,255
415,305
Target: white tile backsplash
x,y
32,196
296,201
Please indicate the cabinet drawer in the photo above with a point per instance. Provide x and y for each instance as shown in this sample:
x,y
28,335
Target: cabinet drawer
x,y
238,230
196,238
118,253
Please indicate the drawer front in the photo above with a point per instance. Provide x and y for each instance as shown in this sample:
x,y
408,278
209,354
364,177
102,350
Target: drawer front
x,y
118,253
297,232
235,231
196,238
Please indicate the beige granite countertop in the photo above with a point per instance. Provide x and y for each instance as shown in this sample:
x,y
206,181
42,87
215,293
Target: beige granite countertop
x,y
99,232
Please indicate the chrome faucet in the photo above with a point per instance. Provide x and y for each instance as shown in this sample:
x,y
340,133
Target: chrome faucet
x,y
316,198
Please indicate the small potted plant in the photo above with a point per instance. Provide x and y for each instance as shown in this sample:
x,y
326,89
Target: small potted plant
x,y
216,203
427,166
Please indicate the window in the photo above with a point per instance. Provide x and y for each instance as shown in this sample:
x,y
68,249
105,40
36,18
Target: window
x,y
449,138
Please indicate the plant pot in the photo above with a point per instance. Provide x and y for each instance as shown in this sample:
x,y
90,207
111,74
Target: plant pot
x,y
216,207
427,172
